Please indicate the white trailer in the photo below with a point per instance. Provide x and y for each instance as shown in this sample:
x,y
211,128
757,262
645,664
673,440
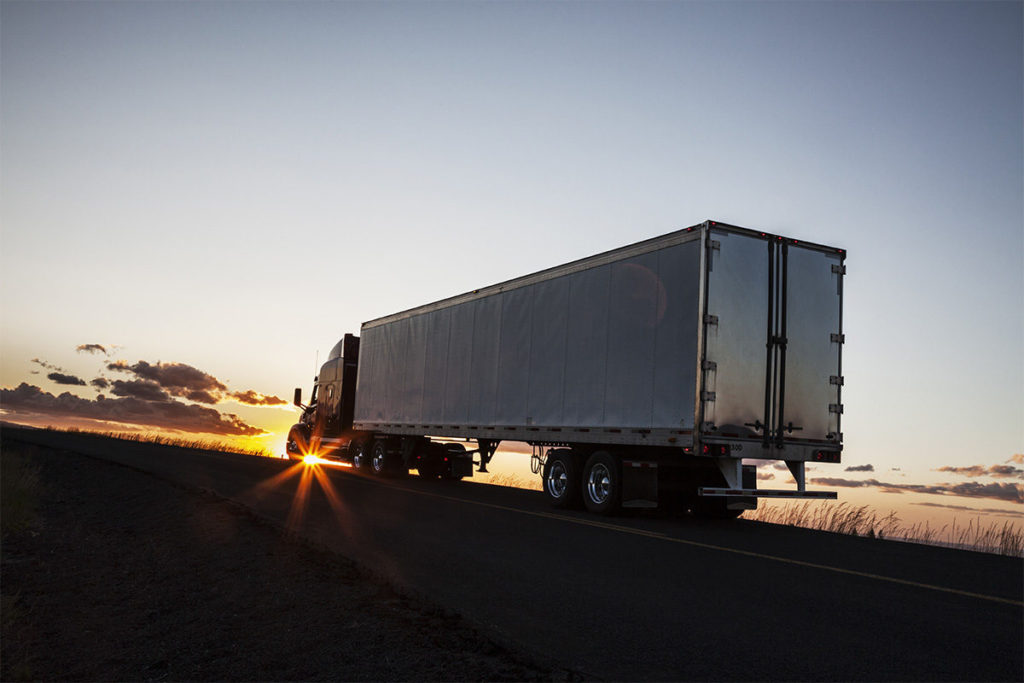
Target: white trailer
x,y
643,373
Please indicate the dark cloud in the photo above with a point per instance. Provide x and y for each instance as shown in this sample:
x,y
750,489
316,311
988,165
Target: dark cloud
x,y
139,388
968,508
765,476
91,348
1010,492
100,383
61,378
997,471
970,471
199,396
178,379
167,414
48,366
861,468
256,399
1005,472
188,382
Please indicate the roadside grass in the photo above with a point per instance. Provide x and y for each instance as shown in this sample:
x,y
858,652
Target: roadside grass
x,y
511,480
161,440
1001,539
19,488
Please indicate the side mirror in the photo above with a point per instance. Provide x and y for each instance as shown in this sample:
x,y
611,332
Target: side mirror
x,y
298,397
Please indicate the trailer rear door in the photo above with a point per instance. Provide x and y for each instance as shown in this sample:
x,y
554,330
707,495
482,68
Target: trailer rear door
x,y
772,338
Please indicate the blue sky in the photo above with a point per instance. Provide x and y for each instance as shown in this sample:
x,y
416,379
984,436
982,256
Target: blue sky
x,y
235,185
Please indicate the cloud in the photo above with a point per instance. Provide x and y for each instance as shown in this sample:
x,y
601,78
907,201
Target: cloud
x,y
765,476
253,398
48,366
1017,458
100,383
188,382
139,388
91,348
861,468
984,511
1005,471
165,414
61,378
1013,493
177,379
997,471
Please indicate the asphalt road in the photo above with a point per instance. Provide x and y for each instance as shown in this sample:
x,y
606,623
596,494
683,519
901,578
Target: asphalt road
x,y
636,597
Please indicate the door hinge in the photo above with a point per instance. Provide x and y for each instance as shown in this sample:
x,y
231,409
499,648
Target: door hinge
x,y
710,319
707,396
836,379
709,365
838,338
836,408
840,269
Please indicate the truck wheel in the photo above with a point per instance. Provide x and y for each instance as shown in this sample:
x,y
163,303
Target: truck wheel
x,y
379,459
361,457
561,480
298,443
602,483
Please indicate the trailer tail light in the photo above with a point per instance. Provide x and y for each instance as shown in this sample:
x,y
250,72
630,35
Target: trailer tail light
x,y
826,456
715,449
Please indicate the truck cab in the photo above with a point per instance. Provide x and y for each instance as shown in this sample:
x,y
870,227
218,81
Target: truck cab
x,y
325,426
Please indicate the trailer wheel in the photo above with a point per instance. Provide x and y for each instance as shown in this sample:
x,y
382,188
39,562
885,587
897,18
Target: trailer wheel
x,y
361,457
602,483
380,461
561,480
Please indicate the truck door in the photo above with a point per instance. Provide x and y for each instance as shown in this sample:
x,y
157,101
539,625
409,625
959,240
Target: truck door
x,y
772,339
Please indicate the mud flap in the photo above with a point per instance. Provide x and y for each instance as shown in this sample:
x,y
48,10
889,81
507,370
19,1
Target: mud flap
x,y
461,465
749,482
639,484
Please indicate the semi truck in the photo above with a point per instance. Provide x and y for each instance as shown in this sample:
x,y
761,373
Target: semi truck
x,y
641,377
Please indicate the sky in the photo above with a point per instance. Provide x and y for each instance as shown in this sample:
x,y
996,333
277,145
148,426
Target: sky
x,y
215,192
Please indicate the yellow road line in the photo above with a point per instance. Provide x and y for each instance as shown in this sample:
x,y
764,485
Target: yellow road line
x,y
724,549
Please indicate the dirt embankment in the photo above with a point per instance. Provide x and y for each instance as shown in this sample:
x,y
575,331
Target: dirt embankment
x,y
126,577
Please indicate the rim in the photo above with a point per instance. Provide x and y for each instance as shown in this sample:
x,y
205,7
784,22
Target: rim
x,y
558,479
599,483
357,459
378,461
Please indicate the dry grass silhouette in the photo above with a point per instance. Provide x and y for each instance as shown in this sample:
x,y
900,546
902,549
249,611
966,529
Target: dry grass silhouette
x,y
1002,539
161,440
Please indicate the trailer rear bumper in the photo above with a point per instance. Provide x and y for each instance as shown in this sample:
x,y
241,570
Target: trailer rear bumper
x,y
713,492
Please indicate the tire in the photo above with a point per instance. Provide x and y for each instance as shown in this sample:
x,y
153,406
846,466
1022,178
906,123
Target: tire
x,y
561,480
602,483
380,460
297,444
361,457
